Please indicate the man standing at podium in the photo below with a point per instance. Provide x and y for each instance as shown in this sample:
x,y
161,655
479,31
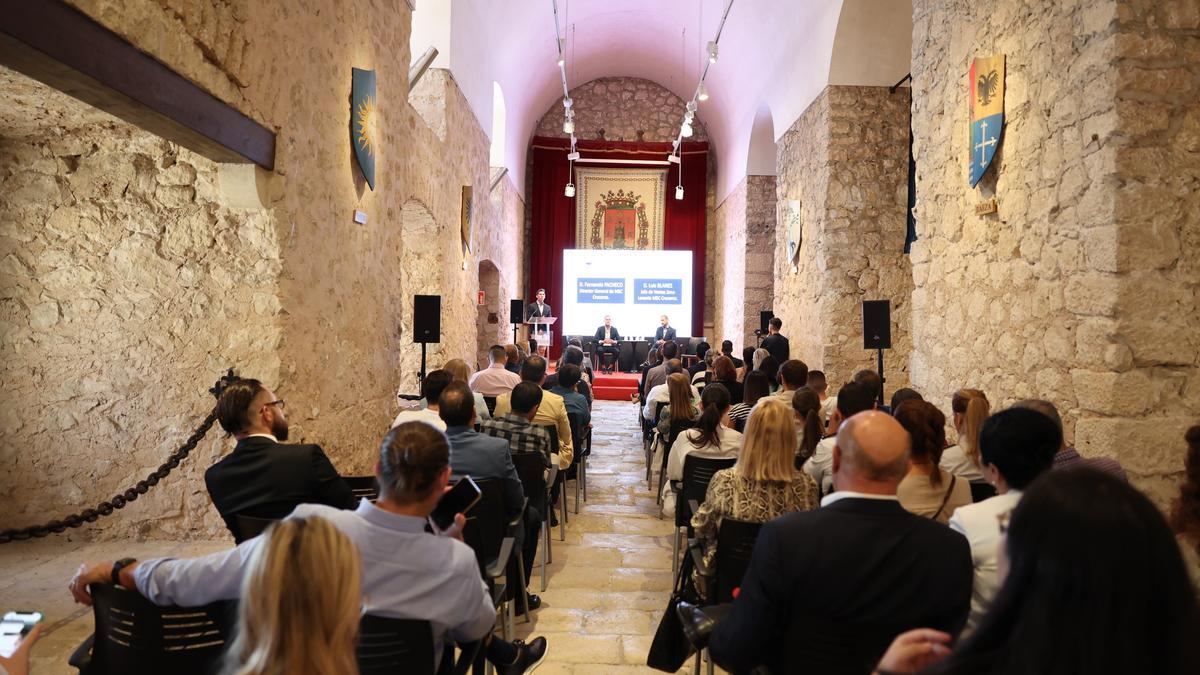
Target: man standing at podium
x,y
607,339
536,310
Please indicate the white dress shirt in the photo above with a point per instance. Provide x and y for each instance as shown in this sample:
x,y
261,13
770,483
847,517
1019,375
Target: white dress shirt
x,y
820,465
425,415
728,446
406,573
495,380
979,524
850,494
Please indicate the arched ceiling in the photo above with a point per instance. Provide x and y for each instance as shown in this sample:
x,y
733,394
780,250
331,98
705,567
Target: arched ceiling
x,y
775,54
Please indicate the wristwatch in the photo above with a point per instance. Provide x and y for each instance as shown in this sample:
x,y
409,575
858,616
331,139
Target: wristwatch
x,y
118,566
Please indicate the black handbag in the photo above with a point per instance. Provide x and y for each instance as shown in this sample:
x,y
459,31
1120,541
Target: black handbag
x,y
670,648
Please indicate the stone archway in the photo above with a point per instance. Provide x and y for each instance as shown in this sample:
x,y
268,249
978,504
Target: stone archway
x,y
487,321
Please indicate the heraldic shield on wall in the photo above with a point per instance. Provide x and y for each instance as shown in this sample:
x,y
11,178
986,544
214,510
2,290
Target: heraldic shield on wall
x,y
987,112
620,208
362,121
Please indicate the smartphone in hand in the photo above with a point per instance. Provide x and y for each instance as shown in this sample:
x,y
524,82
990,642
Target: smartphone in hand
x,y
458,499
14,627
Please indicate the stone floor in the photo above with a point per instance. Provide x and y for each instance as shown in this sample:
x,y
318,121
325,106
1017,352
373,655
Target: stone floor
x,y
608,583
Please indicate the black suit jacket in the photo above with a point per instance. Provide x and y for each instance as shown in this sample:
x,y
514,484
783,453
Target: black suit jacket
x,y
600,335
778,346
827,590
531,310
265,479
668,334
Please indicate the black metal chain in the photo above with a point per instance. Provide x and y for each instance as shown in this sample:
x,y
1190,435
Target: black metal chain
x,y
119,501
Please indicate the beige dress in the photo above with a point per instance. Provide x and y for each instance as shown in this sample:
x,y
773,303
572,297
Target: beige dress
x,y
731,495
919,497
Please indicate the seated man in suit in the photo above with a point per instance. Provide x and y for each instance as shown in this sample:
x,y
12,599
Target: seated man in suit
x,y
484,457
606,338
826,591
664,333
262,477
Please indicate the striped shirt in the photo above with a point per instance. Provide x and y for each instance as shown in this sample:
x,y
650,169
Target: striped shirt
x,y
1068,458
522,436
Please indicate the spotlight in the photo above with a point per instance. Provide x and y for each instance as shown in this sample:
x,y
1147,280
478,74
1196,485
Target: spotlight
x,y
691,105
702,93
567,102
573,157
562,50
674,159
570,191
569,126
685,130
689,116
712,51
678,192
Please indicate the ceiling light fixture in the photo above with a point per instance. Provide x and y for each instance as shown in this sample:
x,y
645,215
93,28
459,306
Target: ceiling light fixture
x,y
569,126
569,191
673,158
686,129
702,92
712,51
573,157
679,192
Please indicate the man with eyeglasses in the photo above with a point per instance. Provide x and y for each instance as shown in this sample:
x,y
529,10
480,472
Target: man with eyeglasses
x,y
263,477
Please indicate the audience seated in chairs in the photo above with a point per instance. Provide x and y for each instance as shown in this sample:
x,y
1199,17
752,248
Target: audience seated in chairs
x,y
828,589
747,362
551,412
681,405
755,387
927,489
806,406
904,394
514,355
567,382
702,372
669,351
727,351
971,408
407,573
263,477
498,378
793,374
516,427
702,362
874,384
1185,509
1094,585
852,399
432,387
461,372
662,394
277,634
725,374
764,484
713,436
484,456
571,356
818,383
770,367
1015,447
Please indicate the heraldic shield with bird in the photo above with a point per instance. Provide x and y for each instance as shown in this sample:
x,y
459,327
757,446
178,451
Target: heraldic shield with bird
x,y
987,113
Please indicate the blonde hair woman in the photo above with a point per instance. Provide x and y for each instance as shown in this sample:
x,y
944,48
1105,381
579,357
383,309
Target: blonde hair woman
x,y
682,406
971,409
300,603
461,372
764,484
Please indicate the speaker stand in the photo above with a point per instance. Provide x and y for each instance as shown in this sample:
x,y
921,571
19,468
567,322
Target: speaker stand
x,y
515,326
882,379
421,373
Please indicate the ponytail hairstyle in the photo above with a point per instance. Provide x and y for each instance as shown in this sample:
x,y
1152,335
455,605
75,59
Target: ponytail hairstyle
x,y
927,427
973,405
807,405
715,403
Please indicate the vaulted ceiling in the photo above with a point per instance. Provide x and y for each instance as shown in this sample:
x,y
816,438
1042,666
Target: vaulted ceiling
x,y
776,56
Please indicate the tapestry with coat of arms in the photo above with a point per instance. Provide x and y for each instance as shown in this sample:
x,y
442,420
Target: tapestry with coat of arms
x,y
619,208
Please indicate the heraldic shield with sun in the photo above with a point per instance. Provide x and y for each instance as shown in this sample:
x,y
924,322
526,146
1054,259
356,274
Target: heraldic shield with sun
x,y
363,122
987,112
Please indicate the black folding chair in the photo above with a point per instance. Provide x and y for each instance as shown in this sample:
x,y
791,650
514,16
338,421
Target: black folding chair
x,y
389,646
697,474
133,635
490,402
557,485
532,471
648,437
487,532
581,435
735,544
363,487
982,491
249,527
672,433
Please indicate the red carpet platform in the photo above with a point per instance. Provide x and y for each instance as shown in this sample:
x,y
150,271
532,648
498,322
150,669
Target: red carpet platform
x,y
615,387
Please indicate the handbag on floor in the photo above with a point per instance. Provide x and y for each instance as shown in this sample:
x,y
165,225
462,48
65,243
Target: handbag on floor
x,y
670,647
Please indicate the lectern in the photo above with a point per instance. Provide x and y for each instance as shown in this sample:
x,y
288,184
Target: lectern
x,y
540,330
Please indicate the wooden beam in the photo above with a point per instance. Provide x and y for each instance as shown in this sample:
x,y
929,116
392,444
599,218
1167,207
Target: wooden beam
x,y
61,47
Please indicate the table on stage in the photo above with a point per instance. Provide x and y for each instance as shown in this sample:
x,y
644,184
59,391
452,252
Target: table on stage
x,y
630,353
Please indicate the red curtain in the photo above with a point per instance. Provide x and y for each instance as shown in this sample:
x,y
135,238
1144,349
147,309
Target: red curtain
x,y
552,213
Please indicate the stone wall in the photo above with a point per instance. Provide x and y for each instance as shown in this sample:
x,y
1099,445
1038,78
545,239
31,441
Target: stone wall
x,y
127,288
623,106
1082,289
729,273
759,289
341,345
846,160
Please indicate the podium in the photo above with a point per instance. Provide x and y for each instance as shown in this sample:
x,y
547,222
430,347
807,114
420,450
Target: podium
x,y
539,329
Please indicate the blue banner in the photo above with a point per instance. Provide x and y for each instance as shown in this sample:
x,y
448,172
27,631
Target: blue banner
x,y
657,291
600,291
